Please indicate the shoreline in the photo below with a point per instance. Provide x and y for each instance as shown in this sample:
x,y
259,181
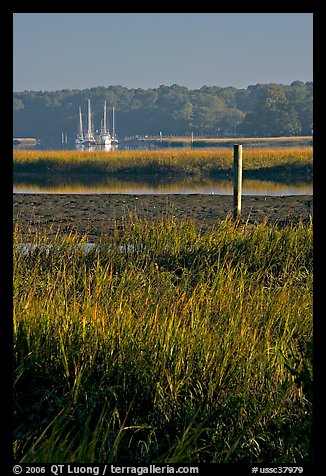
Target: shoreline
x,y
100,214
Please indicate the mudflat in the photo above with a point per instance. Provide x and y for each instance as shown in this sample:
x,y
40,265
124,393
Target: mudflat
x,y
100,214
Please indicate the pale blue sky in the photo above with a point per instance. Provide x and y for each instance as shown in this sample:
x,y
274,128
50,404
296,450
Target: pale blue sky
x,y
53,51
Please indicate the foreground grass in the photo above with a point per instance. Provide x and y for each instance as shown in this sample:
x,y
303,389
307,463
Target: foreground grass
x,y
169,161
166,345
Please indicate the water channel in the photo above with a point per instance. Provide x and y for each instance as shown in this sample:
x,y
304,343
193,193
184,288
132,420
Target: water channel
x,y
112,186
155,185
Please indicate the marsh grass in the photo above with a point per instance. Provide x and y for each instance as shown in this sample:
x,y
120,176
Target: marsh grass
x,y
164,344
169,161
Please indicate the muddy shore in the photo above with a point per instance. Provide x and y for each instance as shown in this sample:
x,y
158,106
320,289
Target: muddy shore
x,y
97,214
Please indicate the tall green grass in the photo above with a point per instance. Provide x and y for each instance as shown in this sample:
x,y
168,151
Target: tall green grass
x,y
165,344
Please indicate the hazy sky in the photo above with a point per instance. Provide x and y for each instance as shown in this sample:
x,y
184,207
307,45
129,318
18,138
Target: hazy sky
x,y
54,51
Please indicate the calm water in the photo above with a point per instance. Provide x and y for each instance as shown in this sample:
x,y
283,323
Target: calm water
x,y
219,187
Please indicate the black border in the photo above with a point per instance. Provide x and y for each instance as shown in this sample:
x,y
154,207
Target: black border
x,y
6,349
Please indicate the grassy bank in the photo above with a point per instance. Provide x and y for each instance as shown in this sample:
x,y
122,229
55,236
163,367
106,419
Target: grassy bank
x,y
208,162
164,345
207,141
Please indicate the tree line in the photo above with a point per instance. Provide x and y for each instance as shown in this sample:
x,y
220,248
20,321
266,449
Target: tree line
x,y
261,110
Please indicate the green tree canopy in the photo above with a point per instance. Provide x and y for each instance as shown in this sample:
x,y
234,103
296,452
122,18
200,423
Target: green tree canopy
x,y
259,110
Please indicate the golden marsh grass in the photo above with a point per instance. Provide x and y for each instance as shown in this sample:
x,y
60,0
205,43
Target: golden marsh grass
x,y
178,161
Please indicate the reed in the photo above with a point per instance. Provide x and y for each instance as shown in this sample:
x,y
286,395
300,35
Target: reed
x,y
171,161
164,344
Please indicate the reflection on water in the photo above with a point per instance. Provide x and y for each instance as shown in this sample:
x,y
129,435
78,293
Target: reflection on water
x,y
147,143
90,148
172,186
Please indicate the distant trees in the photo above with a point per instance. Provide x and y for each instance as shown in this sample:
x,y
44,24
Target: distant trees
x,y
280,110
259,110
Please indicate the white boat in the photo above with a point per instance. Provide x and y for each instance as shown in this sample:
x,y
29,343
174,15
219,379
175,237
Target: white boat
x,y
114,139
105,137
89,138
80,136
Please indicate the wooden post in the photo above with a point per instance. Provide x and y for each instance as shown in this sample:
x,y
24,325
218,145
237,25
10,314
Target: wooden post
x,y
237,180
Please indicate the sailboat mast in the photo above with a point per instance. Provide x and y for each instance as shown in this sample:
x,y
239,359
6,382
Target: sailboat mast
x,y
113,124
80,123
89,120
104,118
